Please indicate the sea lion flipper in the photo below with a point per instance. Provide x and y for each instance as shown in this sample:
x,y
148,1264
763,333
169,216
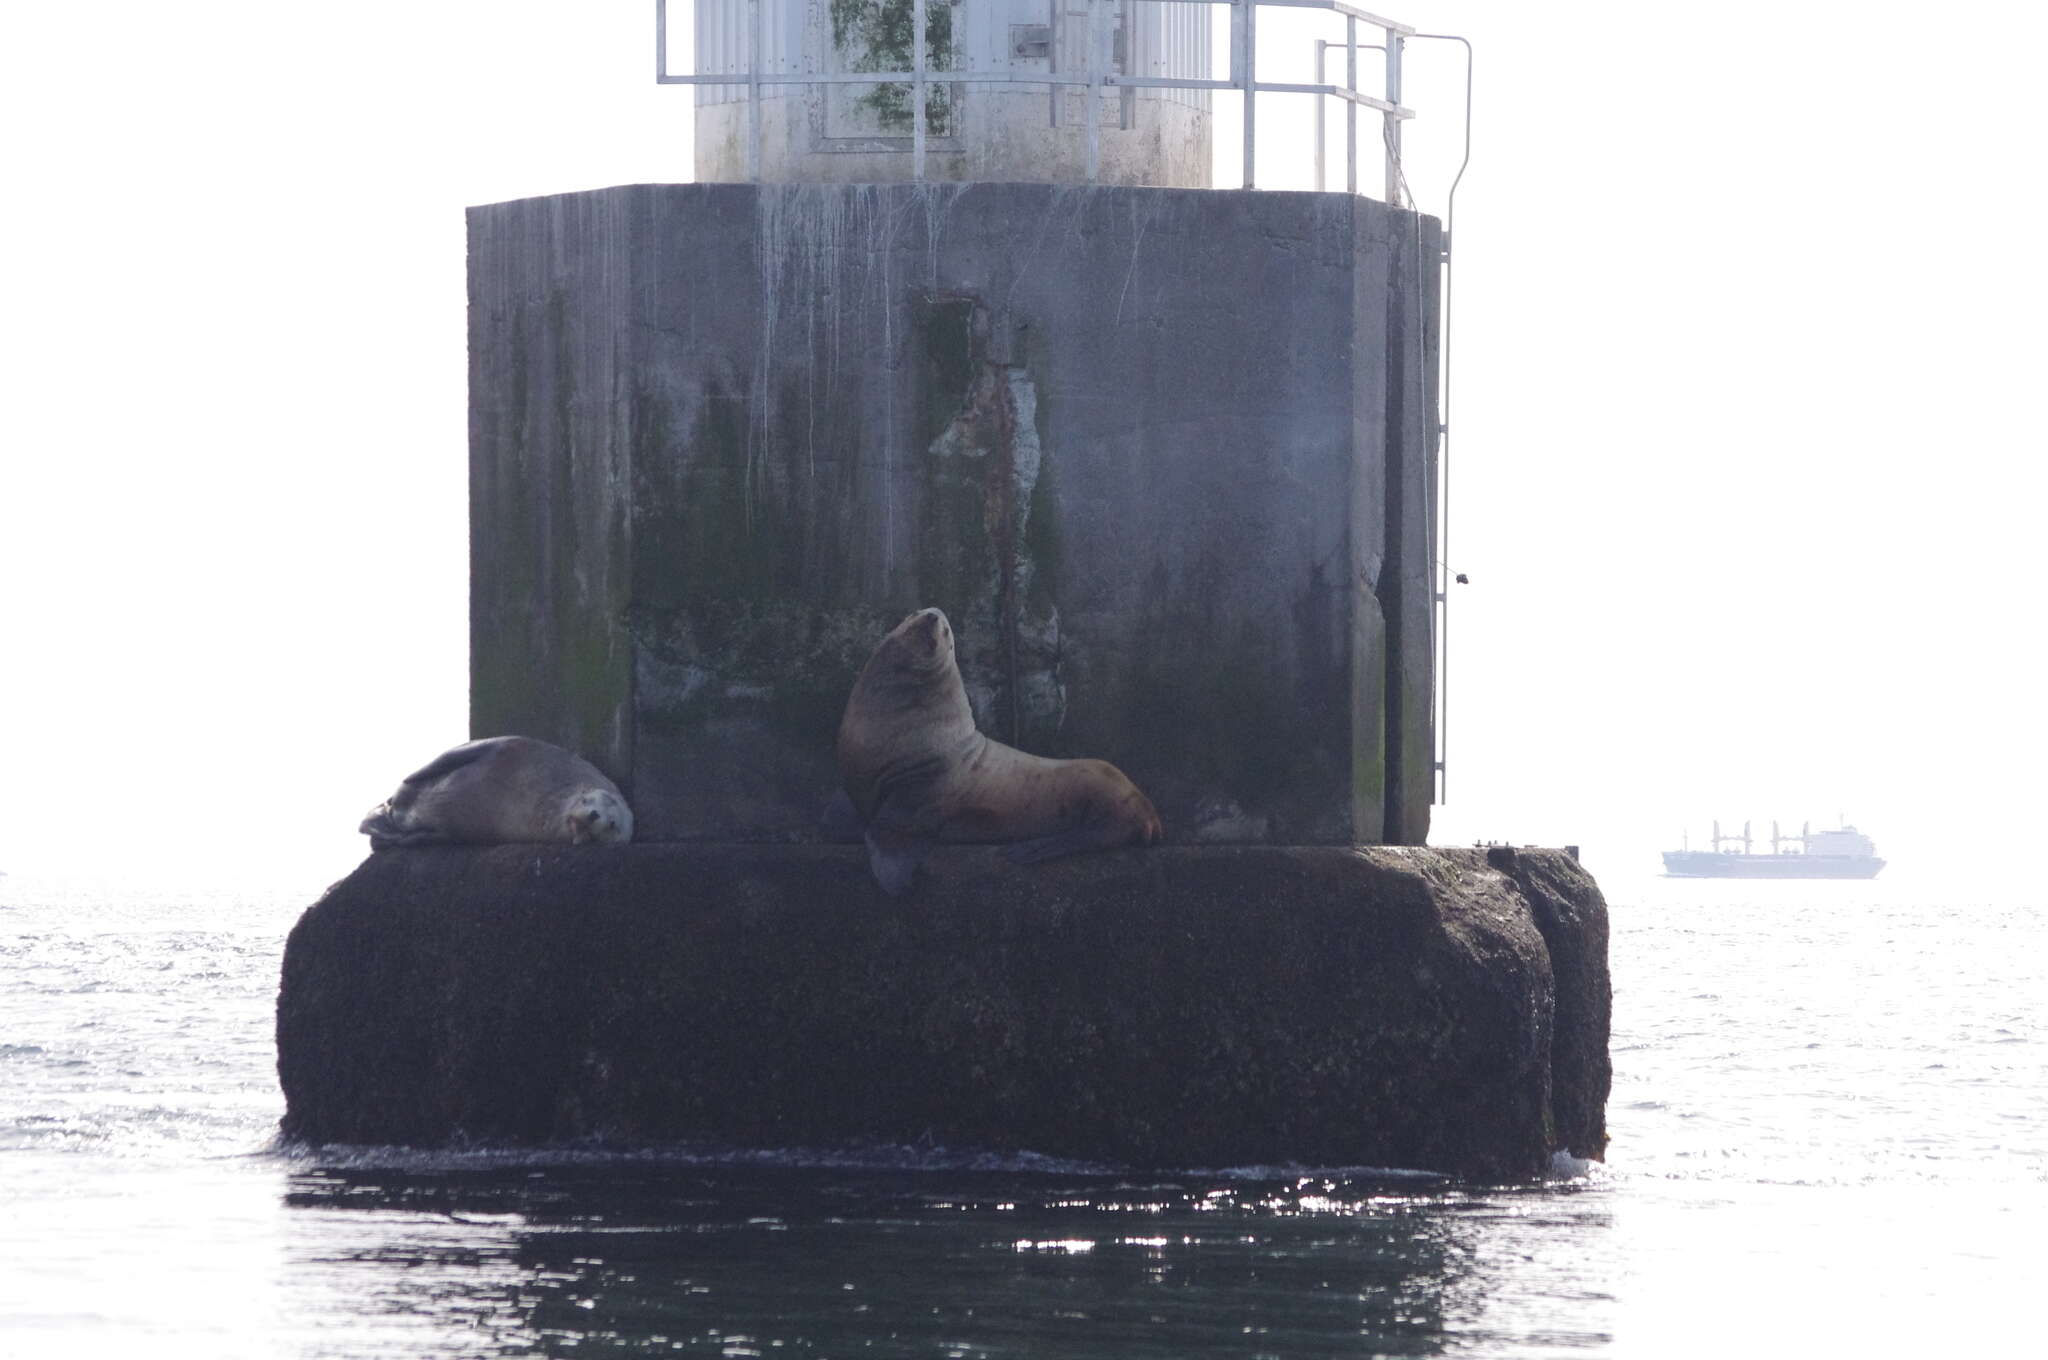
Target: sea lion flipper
x,y
906,788
841,821
387,830
382,829
893,858
904,804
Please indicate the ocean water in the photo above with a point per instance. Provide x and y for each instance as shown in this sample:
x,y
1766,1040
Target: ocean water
x,y
1830,1136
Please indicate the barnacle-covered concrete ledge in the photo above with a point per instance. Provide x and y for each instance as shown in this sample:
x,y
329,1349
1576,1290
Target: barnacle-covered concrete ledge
x,y
1184,1006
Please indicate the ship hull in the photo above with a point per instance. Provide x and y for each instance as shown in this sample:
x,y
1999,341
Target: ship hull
x,y
1707,864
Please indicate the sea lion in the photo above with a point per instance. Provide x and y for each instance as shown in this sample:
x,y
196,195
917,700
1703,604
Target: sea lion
x,y
501,790
916,771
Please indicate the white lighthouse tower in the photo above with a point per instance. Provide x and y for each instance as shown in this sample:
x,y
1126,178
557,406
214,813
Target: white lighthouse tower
x,y
1007,86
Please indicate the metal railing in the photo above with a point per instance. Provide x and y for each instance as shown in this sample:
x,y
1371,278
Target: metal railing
x,y
1097,78
1351,50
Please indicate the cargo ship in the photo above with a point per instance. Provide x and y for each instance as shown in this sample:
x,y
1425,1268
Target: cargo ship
x,y
1844,852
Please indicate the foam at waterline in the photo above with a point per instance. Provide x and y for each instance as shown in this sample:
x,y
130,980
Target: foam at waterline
x,y
1564,1167
860,1157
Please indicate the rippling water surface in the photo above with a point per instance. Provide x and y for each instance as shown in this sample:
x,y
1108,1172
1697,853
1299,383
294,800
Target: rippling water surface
x,y
1828,1117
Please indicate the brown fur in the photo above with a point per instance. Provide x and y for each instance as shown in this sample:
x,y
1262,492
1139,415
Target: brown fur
x,y
916,769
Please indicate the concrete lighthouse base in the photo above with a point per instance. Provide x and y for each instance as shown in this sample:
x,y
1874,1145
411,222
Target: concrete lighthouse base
x,y
1168,460
1165,458
1178,1007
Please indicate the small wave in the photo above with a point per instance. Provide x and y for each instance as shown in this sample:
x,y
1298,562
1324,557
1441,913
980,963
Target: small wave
x,y
862,1157
1568,1169
1284,1171
858,1157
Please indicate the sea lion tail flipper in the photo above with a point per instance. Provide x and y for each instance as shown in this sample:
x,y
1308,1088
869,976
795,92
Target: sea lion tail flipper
x,y
894,857
840,822
380,826
388,828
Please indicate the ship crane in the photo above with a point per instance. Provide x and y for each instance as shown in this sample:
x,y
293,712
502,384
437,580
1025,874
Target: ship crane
x,y
1718,838
1805,834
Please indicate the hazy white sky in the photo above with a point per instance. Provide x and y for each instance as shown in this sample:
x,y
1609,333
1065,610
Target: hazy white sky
x,y
1747,436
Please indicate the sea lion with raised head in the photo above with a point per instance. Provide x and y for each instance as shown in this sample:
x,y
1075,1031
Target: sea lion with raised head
x,y
917,771
498,791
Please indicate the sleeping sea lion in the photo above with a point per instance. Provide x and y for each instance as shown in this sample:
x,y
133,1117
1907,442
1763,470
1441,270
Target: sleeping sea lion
x,y
916,771
501,790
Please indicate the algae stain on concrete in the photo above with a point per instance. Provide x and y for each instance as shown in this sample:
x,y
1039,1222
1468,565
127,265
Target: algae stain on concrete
x,y
881,35
717,523
1228,710
548,657
981,473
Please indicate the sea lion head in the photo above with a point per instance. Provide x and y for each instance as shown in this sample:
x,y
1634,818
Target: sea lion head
x,y
598,816
921,644
907,699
